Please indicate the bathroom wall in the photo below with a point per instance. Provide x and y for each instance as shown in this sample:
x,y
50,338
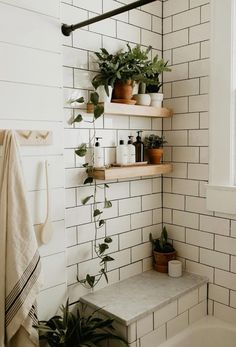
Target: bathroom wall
x,y
31,98
205,240
136,209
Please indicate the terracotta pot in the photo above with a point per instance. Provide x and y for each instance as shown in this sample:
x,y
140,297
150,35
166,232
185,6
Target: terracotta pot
x,y
155,155
161,260
123,90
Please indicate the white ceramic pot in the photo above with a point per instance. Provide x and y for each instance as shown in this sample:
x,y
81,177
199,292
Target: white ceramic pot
x,y
103,97
156,99
135,88
142,99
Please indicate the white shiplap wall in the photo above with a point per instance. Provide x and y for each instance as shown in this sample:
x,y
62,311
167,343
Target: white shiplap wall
x,y
31,98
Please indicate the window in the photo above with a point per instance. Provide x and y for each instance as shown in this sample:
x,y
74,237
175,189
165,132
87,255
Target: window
x,y
221,190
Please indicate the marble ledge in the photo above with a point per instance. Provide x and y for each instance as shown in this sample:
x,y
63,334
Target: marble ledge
x,y
134,298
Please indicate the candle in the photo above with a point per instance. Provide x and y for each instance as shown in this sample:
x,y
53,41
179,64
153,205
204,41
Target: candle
x,y
175,268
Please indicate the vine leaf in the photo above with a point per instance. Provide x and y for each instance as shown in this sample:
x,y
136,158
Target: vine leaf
x,y
101,223
98,111
94,97
108,240
102,247
106,185
106,259
107,203
90,280
80,100
104,273
88,180
96,213
81,150
85,200
78,119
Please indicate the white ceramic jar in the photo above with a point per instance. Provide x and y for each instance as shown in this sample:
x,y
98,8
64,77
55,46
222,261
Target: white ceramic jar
x,y
175,268
103,97
156,99
142,99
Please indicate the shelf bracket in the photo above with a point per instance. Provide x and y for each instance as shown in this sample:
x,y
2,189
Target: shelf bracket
x,y
68,29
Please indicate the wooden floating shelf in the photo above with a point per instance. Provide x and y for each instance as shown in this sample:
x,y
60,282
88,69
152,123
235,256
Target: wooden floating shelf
x,y
131,172
133,110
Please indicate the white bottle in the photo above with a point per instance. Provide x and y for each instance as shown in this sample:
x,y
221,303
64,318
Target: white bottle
x,y
121,154
131,151
98,154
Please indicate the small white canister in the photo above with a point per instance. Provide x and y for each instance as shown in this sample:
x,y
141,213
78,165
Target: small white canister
x,y
175,268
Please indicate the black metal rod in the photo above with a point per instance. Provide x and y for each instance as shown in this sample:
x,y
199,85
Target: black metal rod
x,y
67,29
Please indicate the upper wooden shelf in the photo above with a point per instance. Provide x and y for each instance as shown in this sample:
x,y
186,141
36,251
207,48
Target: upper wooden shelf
x,y
135,110
131,171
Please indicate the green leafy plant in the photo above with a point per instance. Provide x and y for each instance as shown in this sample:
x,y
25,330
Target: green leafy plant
x,y
149,77
161,245
154,141
76,329
122,66
100,248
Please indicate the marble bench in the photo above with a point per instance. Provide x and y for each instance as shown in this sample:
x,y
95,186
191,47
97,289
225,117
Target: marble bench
x,y
152,307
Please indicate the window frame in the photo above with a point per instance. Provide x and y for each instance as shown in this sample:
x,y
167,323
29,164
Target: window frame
x,y
221,190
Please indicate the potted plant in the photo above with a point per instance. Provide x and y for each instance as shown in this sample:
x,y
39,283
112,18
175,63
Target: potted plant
x,y
154,145
77,329
163,252
149,83
119,70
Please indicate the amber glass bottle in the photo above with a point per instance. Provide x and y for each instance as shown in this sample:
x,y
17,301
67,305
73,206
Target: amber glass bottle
x,y
139,148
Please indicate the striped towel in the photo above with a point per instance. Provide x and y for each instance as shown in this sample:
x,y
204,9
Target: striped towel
x,y
20,262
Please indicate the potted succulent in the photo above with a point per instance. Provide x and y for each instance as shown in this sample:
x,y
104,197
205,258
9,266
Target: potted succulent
x,y
149,83
154,145
77,329
119,70
163,252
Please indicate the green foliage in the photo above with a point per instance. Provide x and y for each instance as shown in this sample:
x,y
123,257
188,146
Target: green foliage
x,y
154,141
122,66
162,245
78,119
81,150
76,329
101,248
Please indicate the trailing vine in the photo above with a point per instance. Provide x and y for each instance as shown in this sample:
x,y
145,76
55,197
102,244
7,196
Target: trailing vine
x,y
100,249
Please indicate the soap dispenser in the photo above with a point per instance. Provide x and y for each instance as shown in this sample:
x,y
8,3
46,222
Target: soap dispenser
x,y
98,154
121,153
131,151
139,148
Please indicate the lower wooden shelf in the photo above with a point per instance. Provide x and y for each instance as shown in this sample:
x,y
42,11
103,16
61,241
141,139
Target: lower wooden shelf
x,y
130,172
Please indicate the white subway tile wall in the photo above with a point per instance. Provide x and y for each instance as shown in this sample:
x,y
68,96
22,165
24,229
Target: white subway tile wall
x,y
137,204
205,241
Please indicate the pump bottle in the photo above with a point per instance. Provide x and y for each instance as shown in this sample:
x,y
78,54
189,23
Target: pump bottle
x,y
131,151
98,154
121,153
139,148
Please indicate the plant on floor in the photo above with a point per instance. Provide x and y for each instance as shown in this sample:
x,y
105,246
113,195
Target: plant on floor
x,y
163,251
76,329
100,248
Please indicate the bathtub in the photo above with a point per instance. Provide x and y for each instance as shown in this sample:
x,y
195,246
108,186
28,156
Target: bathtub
x,y
208,331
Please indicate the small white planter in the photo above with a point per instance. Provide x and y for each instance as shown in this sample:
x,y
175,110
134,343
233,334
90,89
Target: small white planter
x,y
135,88
156,99
103,97
142,99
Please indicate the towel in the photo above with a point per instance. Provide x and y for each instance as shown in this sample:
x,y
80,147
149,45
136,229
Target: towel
x,y
20,261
